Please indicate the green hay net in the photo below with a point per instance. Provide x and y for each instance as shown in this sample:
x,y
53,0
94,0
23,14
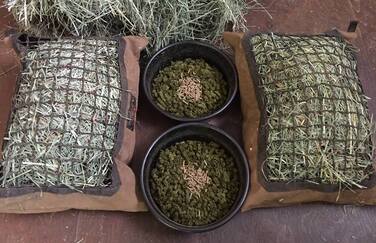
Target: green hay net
x,y
65,116
319,130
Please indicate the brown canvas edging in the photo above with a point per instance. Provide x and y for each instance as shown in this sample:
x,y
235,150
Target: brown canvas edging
x,y
249,107
125,199
258,196
132,72
38,202
10,68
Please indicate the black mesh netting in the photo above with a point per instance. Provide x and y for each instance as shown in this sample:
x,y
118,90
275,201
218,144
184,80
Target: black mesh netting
x,y
65,115
318,126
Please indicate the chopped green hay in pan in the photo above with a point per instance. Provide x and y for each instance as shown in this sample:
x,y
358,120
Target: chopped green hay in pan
x,y
319,129
189,88
195,182
162,21
65,117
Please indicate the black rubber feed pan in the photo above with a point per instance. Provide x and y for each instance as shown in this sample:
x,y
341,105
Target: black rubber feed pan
x,y
196,131
191,49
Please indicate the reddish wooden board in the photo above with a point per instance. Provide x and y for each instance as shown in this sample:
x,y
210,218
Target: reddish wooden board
x,y
301,223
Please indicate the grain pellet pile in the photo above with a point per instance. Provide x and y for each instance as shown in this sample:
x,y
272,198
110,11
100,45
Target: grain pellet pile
x,y
65,116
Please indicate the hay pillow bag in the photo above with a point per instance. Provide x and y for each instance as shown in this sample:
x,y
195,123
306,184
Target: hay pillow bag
x,y
68,112
306,129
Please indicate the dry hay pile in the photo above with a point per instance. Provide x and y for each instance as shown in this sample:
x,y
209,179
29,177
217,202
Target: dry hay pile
x,y
162,21
65,116
319,130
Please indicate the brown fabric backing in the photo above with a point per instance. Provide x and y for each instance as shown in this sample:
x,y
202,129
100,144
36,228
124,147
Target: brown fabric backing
x,y
125,198
10,68
258,196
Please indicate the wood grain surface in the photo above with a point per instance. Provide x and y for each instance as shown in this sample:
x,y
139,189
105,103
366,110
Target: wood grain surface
x,y
301,223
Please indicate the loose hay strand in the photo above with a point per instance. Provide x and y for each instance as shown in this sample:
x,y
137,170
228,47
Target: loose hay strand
x,y
319,130
162,21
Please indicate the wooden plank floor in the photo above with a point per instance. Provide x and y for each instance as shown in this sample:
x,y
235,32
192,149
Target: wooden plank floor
x,y
303,223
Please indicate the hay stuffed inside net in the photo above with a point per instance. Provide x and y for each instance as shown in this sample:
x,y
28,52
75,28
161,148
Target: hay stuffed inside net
x,y
65,116
319,129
